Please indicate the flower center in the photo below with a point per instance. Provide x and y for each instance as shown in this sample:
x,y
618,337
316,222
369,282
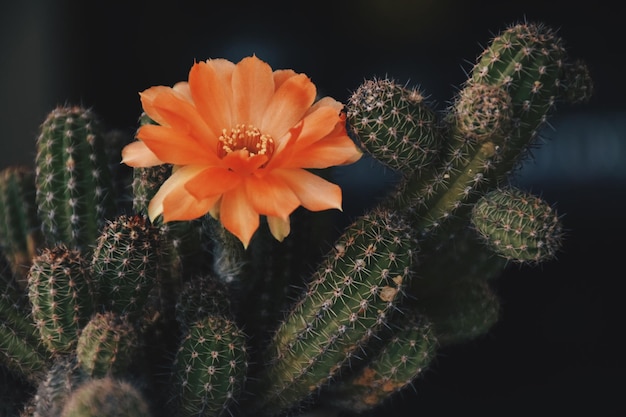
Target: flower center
x,y
248,138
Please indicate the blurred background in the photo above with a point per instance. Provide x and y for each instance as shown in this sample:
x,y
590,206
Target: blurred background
x,y
557,348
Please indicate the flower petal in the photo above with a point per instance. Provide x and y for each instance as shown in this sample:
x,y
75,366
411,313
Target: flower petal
x,y
174,184
280,76
176,147
182,87
212,181
253,87
314,192
180,205
180,114
210,85
137,154
326,102
313,127
331,151
238,216
290,102
279,227
147,98
271,196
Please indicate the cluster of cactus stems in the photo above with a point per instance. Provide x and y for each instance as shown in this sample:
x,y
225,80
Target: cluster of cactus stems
x,y
104,313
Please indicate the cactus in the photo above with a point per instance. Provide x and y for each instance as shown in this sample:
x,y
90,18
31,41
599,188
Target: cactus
x,y
180,319
210,367
125,264
518,225
20,234
107,344
395,124
75,192
63,378
106,397
408,352
61,293
350,298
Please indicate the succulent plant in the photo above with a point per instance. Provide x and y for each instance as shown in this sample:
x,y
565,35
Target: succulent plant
x,y
103,307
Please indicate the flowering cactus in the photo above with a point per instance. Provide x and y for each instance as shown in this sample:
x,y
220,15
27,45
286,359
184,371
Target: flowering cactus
x,y
218,294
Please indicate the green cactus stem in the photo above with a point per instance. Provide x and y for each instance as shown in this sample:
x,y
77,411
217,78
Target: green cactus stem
x,y
350,297
403,359
209,371
21,350
53,391
15,308
181,246
61,294
125,264
20,234
107,397
395,125
202,296
20,355
518,225
75,191
107,345
528,60
477,119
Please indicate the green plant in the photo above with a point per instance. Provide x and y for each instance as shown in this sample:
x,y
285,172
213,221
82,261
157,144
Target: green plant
x,y
206,327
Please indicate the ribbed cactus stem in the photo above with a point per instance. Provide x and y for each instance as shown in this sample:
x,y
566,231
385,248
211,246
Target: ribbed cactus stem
x,y
21,349
180,240
403,359
146,182
125,264
350,297
62,379
395,125
518,225
75,191
21,355
107,397
528,61
106,345
61,293
15,308
476,121
209,371
20,228
229,255
202,296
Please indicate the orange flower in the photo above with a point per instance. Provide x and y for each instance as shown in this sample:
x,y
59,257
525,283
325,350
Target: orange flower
x,y
241,138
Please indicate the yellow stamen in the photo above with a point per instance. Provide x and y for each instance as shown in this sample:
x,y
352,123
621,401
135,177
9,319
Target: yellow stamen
x,y
248,138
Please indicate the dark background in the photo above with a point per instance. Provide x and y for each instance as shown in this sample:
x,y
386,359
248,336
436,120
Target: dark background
x,y
558,348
